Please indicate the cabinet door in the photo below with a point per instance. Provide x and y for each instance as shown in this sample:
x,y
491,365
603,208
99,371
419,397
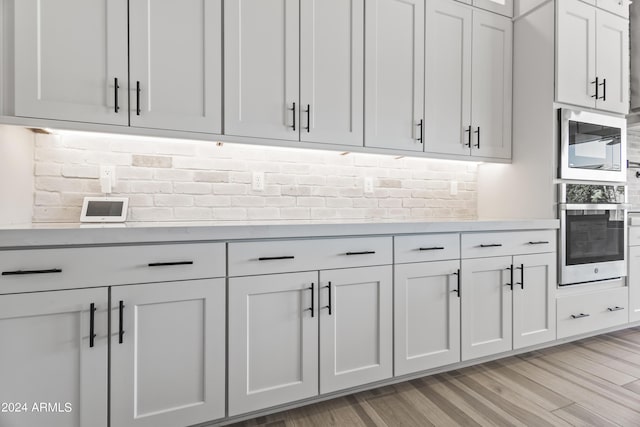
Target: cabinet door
x,y
491,85
634,283
176,58
486,307
534,300
261,68
612,62
619,7
575,53
168,368
356,344
427,316
448,78
332,71
394,74
273,340
503,7
47,357
68,56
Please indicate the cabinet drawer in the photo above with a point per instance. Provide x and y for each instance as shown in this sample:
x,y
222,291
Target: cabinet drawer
x,y
478,245
164,263
579,314
426,247
634,236
51,269
280,256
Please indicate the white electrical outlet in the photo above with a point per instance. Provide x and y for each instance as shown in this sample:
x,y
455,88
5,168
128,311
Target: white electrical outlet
x,y
453,188
257,181
107,178
368,185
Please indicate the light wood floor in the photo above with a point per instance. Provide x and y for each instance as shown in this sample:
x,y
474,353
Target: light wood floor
x,y
592,382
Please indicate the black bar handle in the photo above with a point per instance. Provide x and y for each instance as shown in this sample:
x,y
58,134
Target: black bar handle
x,y
477,132
121,317
521,282
166,264
272,258
457,291
616,308
510,284
329,305
92,335
308,118
468,132
26,272
579,316
604,89
138,98
115,89
596,82
361,253
434,248
293,109
313,303
421,133
491,245
541,242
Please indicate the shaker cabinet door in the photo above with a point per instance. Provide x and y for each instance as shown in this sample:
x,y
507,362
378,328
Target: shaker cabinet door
x,y
261,84
71,60
176,64
48,356
448,78
612,62
332,71
394,74
634,283
168,365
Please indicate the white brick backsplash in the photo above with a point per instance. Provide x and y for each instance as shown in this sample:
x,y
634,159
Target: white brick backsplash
x,y
169,180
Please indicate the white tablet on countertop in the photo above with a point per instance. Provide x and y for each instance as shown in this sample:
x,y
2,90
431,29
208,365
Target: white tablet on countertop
x,y
104,209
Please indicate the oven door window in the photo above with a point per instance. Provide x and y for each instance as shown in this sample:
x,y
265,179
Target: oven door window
x,y
594,236
594,147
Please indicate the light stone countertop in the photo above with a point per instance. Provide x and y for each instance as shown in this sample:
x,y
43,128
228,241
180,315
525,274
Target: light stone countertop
x,y
41,235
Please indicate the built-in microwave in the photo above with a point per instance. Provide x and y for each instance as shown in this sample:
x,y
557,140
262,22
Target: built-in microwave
x,y
593,146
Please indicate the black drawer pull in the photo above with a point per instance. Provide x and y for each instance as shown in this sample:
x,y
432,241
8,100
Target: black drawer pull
x,y
579,316
92,334
273,258
167,264
435,248
541,242
457,291
492,245
26,272
616,308
313,304
121,319
361,253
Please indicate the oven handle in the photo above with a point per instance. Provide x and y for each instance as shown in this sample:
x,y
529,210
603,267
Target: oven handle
x,y
594,206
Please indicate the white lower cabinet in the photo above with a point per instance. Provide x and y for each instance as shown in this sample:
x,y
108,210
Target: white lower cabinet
x,y
427,315
634,283
356,338
507,303
273,340
49,358
168,353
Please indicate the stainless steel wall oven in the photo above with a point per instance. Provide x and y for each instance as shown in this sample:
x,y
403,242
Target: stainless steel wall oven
x,y
593,232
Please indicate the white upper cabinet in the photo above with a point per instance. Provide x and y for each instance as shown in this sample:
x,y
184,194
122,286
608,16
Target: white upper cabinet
x,y
468,81
592,66
261,85
619,7
176,64
394,74
168,353
49,356
491,85
332,71
502,7
448,78
71,60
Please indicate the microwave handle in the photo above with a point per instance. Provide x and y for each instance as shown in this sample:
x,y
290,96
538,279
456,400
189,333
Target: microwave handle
x,y
594,206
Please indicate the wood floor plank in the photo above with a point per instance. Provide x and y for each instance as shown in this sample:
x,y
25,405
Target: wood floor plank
x,y
620,365
436,415
454,411
577,360
579,416
335,412
634,387
395,410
